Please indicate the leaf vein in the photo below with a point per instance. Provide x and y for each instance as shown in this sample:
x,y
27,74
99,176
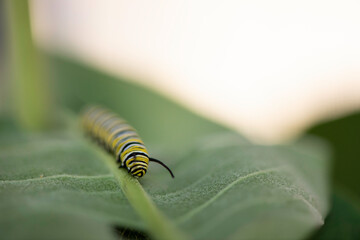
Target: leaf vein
x,y
55,177
222,191
313,210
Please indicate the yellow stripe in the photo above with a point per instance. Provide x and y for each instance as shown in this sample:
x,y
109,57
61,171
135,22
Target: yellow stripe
x,y
127,141
138,158
99,127
114,123
85,116
93,119
138,171
131,165
104,131
107,130
137,167
116,140
112,134
133,149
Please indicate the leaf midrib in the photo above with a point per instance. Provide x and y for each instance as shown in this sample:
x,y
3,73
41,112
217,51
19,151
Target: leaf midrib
x,y
222,191
59,176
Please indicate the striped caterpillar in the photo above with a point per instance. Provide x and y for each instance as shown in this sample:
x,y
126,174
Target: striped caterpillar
x,y
119,138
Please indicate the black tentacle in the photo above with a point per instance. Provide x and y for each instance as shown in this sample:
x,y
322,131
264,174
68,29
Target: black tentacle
x,y
163,164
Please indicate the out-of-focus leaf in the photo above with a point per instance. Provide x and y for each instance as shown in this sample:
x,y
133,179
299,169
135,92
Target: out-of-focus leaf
x,y
44,179
31,101
157,119
225,187
26,223
343,221
344,137
172,131
57,177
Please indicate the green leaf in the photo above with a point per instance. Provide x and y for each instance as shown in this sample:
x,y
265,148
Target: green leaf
x,y
29,88
224,186
159,121
343,135
43,181
343,221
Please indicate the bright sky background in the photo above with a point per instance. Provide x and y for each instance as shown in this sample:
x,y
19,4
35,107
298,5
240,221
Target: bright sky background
x,y
269,69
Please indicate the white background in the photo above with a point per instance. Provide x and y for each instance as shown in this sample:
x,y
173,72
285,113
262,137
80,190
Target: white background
x,y
269,69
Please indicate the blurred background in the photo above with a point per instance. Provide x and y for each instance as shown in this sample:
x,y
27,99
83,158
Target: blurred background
x,y
272,70
267,69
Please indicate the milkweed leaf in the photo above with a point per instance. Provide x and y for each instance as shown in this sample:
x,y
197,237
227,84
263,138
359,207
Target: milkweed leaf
x,y
225,186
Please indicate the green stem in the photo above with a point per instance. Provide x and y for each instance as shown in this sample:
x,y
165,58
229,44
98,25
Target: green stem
x,y
29,89
159,226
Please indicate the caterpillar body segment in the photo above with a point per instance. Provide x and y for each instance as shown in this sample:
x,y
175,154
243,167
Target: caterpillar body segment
x,y
119,138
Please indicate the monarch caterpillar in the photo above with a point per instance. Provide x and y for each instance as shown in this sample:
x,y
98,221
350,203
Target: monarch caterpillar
x,y
119,138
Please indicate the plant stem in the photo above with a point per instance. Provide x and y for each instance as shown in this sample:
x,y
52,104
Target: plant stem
x,y
158,225
29,88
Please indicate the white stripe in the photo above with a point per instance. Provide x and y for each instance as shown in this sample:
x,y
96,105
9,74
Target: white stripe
x,y
132,153
132,145
121,140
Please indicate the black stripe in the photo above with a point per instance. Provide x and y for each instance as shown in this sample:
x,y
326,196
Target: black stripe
x,y
107,127
122,148
101,118
136,161
99,123
95,118
108,121
117,134
103,121
131,155
136,153
122,140
131,136
120,133
116,127
137,169
94,121
124,162
129,144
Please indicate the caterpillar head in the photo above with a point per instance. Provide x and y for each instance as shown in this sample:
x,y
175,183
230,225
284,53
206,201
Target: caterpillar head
x,y
137,166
